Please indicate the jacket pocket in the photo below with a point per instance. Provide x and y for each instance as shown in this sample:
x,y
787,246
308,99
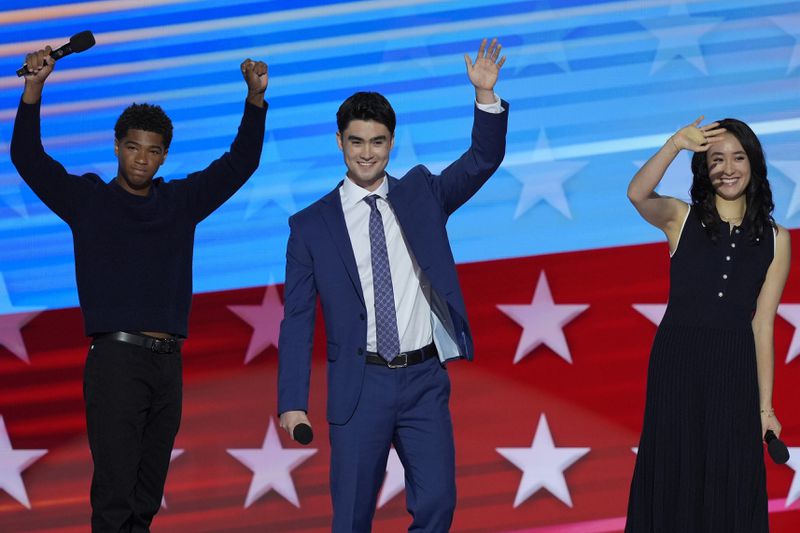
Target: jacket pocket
x,y
333,351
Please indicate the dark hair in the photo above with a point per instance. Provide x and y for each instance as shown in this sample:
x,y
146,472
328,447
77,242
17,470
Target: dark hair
x,y
144,117
366,106
758,196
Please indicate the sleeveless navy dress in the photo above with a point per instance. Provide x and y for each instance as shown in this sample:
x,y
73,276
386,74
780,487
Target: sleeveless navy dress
x,y
700,463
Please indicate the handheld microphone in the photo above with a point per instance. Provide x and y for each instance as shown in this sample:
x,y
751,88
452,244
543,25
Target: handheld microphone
x,y
776,448
77,43
302,433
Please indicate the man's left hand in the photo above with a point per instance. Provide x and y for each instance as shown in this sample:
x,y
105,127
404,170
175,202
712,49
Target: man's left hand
x,y
256,74
484,71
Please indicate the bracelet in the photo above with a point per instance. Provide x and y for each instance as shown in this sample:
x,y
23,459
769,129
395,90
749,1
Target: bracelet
x,y
769,412
672,138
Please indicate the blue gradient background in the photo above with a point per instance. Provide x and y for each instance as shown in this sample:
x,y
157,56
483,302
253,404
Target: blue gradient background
x,y
603,84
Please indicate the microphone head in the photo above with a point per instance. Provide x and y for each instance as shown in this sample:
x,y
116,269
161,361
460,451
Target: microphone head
x,y
302,433
81,41
778,451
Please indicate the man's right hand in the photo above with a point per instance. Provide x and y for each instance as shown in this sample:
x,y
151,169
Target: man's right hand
x,y
39,64
290,419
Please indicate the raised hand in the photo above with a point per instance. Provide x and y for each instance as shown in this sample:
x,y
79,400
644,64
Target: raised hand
x,y
39,64
484,71
697,138
256,75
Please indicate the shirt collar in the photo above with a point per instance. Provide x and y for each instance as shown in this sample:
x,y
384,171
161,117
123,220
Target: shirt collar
x,y
352,193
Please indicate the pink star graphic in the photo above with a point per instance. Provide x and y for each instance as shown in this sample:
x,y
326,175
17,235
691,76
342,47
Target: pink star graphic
x,y
543,321
12,320
12,464
177,452
272,466
265,319
395,480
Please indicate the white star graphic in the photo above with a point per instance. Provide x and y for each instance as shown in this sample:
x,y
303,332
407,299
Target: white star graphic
x,y
273,181
791,314
11,186
543,178
404,156
11,194
677,180
12,464
395,480
177,452
543,465
653,312
791,169
413,54
679,35
12,320
542,321
272,467
791,25
265,319
794,464
533,52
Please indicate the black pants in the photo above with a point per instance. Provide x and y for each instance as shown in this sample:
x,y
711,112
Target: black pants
x,y
133,410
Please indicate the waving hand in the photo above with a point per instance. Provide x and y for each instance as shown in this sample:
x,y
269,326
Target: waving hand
x,y
484,71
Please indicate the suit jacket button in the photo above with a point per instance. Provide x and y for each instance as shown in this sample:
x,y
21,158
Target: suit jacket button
x,y
360,351
362,316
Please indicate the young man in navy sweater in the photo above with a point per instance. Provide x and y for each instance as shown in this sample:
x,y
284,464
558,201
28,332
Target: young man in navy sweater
x,y
133,240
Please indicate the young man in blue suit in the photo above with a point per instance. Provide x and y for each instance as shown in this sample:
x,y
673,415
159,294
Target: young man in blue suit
x,y
375,250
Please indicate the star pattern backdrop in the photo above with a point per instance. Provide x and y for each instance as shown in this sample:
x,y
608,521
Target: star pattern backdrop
x,y
564,283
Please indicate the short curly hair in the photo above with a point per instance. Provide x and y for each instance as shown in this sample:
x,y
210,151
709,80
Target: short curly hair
x,y
145,117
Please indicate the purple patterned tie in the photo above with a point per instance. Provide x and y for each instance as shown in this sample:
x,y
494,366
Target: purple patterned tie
x,y
385,316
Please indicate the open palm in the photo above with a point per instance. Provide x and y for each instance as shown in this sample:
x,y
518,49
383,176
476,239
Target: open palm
x,y
484,71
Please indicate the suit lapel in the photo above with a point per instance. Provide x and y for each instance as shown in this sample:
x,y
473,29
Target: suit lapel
x,y
401,200
333,215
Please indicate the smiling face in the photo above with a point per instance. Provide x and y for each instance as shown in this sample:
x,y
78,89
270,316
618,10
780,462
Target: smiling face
x,y
366,145
140,154
728,168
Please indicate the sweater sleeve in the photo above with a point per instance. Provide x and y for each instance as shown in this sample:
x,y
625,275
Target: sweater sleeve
x,y
209,188
59,190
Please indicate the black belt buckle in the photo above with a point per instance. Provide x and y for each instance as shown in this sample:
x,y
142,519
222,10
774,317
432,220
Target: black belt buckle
x,y
403,357
163,346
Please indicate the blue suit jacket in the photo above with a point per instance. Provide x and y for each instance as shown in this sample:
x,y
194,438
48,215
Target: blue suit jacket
x,y
320,261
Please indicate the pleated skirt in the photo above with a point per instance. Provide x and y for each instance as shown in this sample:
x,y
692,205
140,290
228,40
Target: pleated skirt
x,y
700,462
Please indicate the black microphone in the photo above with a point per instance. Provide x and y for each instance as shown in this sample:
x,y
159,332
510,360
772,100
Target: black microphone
x,y
776,448
302,433
77,43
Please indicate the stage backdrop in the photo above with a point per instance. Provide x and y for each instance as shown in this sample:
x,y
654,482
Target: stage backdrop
x,y
563,281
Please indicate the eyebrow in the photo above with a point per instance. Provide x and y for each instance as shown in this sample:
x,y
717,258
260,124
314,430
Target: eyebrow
x,y
129,142
357,138
739,152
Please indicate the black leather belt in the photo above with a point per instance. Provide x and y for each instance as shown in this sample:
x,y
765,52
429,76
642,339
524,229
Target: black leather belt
x,y
154,344
404,359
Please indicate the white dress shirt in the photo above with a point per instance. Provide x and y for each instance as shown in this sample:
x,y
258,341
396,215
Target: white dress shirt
x,y
411,289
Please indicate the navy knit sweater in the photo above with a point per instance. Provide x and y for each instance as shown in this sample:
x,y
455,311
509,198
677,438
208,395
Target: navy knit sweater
x,y
133,254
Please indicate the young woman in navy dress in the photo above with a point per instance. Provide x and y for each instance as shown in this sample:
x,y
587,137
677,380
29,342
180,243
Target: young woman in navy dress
x,y
700,462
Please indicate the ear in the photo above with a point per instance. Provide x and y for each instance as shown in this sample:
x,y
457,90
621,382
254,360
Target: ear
x,y
164,156
391,143
339,140
116,147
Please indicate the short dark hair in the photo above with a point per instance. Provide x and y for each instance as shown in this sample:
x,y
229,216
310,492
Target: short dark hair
x,y
145,117
758,195
366,106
